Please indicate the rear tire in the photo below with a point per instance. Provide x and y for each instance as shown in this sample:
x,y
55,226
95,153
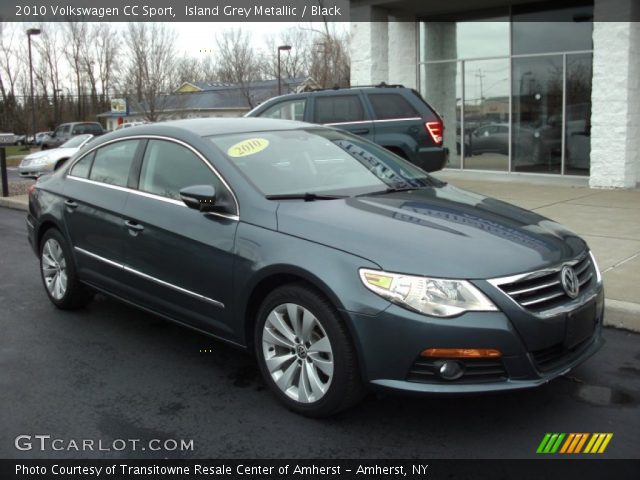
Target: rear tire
x,y
305,353
58,273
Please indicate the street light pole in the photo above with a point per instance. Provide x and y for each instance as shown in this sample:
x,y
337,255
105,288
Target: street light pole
x,y
280,48
32,31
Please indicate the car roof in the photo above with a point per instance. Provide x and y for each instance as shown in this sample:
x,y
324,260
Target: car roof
x,y
345,91
219,126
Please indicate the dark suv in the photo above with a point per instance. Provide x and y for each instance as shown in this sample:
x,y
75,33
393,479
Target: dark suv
x,y
67,130
392,116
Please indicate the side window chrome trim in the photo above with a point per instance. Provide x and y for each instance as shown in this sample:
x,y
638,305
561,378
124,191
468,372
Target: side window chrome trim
x,y
374,121
149,277
396,119
235,216
147,195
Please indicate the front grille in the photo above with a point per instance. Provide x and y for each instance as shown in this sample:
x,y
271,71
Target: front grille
x,y
476,370
556,355
543,290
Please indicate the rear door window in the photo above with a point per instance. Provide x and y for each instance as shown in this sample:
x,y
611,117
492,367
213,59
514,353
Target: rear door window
x,y
112,163
288,110
338,109
391,105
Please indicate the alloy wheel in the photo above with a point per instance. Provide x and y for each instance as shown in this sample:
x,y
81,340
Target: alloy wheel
x,y
297,353
54,268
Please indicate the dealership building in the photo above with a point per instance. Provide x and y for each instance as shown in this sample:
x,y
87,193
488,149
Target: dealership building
x,y
524,87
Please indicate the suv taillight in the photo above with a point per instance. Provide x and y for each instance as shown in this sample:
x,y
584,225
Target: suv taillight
x,y
435,130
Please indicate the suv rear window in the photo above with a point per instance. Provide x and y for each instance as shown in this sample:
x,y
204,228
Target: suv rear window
x,y
391,105
338,109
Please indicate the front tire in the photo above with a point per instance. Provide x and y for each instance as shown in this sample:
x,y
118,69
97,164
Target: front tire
x,y
305,353
58,273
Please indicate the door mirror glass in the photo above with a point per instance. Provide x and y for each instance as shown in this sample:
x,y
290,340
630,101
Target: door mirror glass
x,y
199,197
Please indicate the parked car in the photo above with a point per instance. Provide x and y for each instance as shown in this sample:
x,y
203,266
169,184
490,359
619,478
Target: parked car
x,y
341,266
129,125
41,137
395,117
20,140
46,161
69,130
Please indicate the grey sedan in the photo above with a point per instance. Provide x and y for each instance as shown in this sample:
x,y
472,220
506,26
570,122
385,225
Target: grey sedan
x,y
341,266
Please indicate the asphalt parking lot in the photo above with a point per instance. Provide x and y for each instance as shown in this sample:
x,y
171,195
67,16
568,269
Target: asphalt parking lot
x,y
113,372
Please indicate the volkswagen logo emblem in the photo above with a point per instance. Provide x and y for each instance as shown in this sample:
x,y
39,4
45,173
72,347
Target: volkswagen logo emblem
x,y
570,282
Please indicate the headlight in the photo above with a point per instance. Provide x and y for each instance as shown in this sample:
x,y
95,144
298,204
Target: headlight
x,y
41,161
431,296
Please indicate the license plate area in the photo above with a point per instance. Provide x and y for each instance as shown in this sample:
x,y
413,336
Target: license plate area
x,y
580,325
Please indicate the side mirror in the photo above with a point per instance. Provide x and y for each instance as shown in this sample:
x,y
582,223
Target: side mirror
x,y
200,197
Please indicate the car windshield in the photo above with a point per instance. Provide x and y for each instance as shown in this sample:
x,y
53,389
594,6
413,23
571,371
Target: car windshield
x,y
318,161
76,141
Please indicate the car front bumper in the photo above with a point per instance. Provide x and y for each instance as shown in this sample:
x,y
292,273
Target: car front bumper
x,y
34,171
390,344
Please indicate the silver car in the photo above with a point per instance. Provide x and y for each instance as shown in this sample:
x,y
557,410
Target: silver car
x,y
46,161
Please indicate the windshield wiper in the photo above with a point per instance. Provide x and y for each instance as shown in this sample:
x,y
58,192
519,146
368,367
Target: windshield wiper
x,y
390,190
429,182
307,196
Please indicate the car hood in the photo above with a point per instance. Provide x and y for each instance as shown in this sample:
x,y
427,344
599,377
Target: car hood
x,y
54,153
439,231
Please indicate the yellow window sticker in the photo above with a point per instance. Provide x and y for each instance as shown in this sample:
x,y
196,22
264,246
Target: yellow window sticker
x,y
247,147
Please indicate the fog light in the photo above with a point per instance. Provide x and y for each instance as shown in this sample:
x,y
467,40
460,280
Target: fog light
x,y
451,370
461,353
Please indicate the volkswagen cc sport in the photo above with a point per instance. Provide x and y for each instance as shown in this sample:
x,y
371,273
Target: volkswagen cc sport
x,y
340,265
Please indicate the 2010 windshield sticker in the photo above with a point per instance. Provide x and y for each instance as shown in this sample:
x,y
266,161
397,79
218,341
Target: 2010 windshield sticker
x,y
248,147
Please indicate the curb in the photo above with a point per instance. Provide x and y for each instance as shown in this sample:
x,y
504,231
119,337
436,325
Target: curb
x,y
619,314
11,202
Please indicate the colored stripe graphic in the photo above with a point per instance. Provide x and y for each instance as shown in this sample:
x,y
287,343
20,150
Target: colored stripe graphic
x,y
567,443
573,443
543,443
581,442
598,443
550,443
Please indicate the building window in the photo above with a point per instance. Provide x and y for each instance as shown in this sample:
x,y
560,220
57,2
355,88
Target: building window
x,y
552,30
514,96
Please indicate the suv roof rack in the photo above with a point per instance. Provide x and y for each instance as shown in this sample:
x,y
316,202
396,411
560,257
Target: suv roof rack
x,y
379,85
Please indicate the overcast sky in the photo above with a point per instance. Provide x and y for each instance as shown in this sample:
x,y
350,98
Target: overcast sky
x,y
194,37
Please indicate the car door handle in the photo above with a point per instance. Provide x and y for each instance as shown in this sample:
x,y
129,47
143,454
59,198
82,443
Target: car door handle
x,y
360,131
133,227
70,204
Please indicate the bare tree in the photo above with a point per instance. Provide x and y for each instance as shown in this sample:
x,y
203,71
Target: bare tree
x,y
108,47
50,50
189,70
75,36
12,78
294,63
238,62
152,65
330,63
